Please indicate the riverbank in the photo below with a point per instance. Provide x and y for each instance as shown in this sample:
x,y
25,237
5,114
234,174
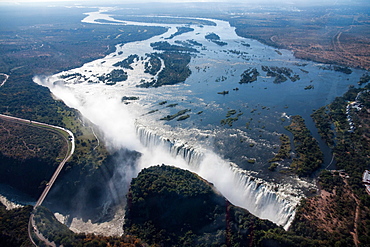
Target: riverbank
x,y
311,34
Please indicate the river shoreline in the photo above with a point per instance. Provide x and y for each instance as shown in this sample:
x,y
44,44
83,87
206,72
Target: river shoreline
x,y
215,67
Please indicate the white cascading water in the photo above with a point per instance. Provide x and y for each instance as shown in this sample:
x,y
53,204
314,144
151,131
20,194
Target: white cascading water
x,y
177,149
265,200
103,106
275,202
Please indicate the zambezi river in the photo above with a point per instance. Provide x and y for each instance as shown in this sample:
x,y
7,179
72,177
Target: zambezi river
x,y
232,155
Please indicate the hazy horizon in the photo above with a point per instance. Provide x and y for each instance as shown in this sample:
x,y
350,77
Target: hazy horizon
x,y
289,2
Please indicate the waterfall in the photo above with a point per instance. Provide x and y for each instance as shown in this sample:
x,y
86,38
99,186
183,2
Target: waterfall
x,y
266,200
176,148
276,202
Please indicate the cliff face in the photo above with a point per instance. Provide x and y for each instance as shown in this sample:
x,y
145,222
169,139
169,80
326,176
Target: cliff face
x,y
166,202
168,206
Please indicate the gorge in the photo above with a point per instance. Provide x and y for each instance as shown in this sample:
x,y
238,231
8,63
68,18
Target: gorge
x,y
219,154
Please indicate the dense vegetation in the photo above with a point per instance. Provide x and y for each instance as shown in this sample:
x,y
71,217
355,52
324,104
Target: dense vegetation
x,y
126,63
250,75
29,155
14,226
64,44
229,120
127,99
308,154
335,216
172,207
324,125
215,39
52,41
212,36
365,78
168,206
21,97
114,76
45,42
280,73
153,65
351,147
347,204
181,30
344,70
328,180
173,116
166,20
284,151
176,60
165,46
176,68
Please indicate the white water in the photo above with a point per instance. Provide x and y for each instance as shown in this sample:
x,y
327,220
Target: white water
x,y
111,228
191,156
9,205
12,198
126,125
265,200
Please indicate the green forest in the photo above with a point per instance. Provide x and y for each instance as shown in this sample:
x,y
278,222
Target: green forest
x,y
168,206
309,156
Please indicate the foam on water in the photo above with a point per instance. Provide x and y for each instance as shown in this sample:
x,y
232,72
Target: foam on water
x,y
272,201
188,144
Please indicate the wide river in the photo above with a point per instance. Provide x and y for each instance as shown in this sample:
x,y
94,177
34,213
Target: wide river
x,y
220,153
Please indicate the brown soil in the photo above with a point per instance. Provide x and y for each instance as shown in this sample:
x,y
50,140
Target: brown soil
x,y
335,213
312,35
323,214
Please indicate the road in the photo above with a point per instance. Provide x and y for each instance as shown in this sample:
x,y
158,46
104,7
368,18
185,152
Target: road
x,y
56,129
5,79
71,148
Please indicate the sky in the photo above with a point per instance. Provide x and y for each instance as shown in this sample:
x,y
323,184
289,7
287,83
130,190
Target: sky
x,y
254,2
108,1
111,1
128,1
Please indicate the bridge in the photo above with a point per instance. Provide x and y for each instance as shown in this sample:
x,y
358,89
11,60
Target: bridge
x,y
68,136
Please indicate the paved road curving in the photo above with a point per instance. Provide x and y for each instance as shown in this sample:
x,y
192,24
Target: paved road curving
x,y
6,78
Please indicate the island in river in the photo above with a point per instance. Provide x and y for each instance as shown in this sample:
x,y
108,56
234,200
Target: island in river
x,y
21,97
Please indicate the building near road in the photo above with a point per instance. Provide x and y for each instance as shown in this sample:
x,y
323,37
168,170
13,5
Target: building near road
x,y
366,180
